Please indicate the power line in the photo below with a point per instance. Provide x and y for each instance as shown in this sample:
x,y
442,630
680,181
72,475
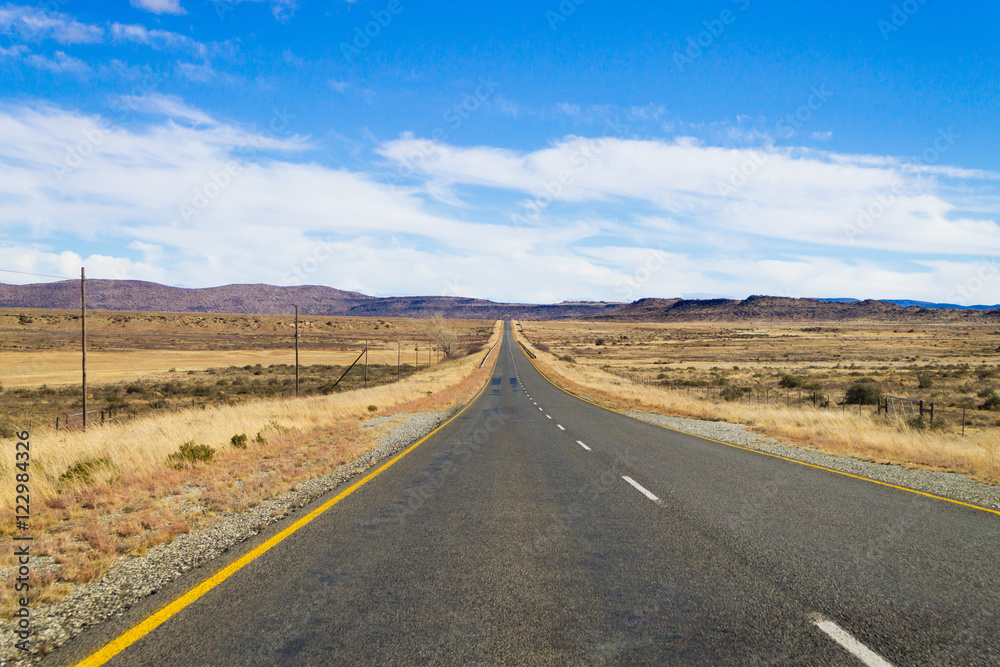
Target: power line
x,y
40,275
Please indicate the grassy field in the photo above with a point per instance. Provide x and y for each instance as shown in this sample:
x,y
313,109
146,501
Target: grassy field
x,y
126,485
952,365
625,374
204,360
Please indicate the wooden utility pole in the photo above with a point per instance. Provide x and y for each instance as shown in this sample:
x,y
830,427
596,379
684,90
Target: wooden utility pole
x,y
399,352
296,350
366,363
83,338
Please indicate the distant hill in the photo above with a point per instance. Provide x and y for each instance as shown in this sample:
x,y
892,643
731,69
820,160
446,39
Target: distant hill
x,y
774,308
138,295
923,304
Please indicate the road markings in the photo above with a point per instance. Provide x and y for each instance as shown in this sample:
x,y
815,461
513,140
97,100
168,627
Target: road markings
x,y
150,623
539,408
548,416
560,427
640,488
583,445
853,646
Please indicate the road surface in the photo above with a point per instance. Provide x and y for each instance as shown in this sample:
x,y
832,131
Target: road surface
x,y
536,528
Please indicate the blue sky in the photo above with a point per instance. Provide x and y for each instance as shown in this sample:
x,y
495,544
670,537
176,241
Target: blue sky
x,y
526,152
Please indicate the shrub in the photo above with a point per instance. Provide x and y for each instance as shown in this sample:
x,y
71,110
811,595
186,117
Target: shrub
x,y
568,358
992,402
732,392
863,393
924,381
82,472
475,348
599,341
372,408
260,439
239,441
190,453
789,381
541,347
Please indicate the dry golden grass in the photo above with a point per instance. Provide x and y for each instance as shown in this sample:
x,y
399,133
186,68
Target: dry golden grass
x,y
43,346
56,367
112,490
830,431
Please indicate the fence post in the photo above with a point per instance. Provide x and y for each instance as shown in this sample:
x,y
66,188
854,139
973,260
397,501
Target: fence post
x,y
932,413
963,422
921,408
57,424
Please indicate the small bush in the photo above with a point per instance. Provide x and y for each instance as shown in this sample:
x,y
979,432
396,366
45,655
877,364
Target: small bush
x,y
992,402
789,381
372,408
599,341
541,347
82,472
475,348
190,453
863,393
239,441
260,439
567,358
924,381
732,392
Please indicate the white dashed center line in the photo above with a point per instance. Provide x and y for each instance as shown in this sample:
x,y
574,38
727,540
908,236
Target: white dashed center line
x,y
548,416
639,487
583,445
560,427
539,408
853,646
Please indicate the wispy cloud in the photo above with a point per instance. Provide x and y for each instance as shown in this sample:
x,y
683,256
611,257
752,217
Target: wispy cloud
x,y
59,63
34,24
160,6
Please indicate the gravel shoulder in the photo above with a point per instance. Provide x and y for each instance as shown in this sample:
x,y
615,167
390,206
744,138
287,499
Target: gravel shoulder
x,y
951,485
131,579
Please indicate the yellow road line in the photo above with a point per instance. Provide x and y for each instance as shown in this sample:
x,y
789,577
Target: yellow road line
x,y
757,451
143,628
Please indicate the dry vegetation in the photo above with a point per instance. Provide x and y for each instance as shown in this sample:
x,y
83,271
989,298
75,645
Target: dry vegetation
x,y
684,370
120,488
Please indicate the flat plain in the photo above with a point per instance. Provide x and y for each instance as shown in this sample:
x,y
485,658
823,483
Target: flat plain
x,y
953,365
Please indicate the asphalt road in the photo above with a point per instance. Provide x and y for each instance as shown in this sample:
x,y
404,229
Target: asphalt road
x,y
536,528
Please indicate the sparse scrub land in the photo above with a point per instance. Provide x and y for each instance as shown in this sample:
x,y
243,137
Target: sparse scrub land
x,y
123,487
766,376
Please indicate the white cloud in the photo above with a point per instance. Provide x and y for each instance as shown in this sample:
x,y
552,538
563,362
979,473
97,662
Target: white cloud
x,y
168,105
786,194
169,198
13,52
58,63
33,24
156,39
160,6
